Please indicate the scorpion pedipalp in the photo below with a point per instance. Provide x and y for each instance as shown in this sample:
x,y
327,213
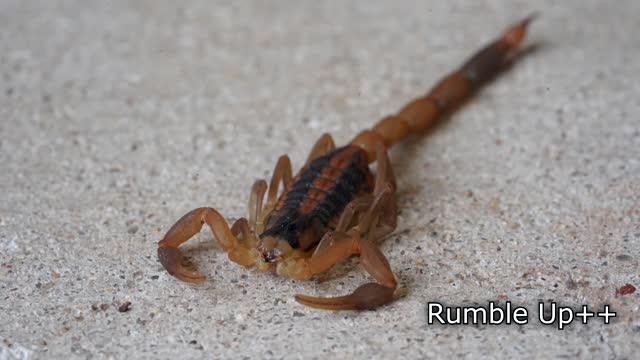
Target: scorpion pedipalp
x,y
172,260
171,256
367,296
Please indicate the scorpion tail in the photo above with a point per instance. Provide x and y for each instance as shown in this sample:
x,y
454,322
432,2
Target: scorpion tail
x,y
450,92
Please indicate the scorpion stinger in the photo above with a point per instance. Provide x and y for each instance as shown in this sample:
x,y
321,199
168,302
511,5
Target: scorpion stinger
x,y
335,206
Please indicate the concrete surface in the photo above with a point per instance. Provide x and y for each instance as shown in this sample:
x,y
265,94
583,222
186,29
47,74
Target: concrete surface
x,y
118,117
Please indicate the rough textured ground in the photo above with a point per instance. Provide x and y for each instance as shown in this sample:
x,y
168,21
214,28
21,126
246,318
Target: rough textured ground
x,y
118,117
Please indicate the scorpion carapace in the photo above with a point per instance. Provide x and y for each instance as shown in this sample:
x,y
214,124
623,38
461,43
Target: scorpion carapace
x,y
335,206
317,195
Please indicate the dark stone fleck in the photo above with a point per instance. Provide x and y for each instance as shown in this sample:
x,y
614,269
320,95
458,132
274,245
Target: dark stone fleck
x,y
624,257
124,307
102,307
297,314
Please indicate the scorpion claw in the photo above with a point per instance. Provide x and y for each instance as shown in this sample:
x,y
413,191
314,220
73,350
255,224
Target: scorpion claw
x,y
366,297
171,259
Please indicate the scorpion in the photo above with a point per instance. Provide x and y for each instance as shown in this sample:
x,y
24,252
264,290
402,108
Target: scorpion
x,y
335,206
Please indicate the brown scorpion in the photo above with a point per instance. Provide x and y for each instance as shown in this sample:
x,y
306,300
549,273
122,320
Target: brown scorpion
x,y
335,206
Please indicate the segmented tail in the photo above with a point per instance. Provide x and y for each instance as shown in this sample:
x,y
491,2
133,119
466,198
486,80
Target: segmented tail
x,y
451,91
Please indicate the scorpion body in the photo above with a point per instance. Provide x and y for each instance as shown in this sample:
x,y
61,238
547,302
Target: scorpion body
x,y
336,206
317,197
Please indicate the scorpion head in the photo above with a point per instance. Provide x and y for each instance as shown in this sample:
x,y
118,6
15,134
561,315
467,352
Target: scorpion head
x,y
271,249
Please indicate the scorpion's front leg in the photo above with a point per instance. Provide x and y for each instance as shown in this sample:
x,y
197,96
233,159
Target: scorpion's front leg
x,y
323,146
281,175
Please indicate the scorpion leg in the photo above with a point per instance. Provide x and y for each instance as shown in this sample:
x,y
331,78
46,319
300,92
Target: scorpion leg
x,y
381,226
350,211
281,174
240,229
323,146
171,256
384,178
255,202
384,173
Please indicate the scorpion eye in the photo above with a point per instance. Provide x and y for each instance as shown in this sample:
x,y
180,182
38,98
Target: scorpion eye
x,y
267,249
269,257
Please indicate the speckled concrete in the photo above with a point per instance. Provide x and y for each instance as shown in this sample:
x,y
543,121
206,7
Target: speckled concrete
x,y
118,117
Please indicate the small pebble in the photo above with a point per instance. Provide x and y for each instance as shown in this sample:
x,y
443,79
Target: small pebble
x,y
124,307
